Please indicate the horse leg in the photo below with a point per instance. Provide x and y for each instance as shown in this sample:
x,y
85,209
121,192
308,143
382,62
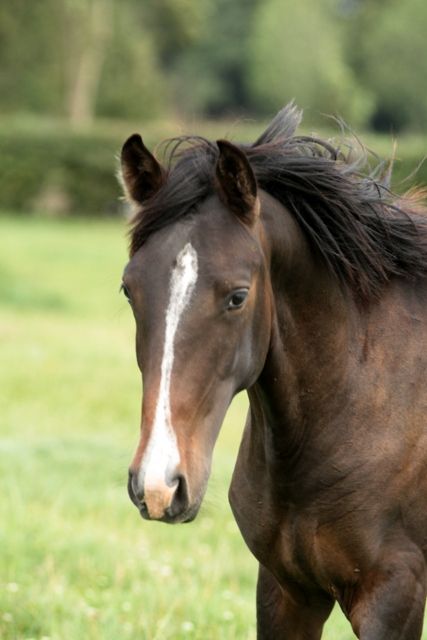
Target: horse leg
x,y
281,617
390,604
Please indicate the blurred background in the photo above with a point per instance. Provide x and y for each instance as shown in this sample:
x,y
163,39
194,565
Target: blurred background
x,y
76,78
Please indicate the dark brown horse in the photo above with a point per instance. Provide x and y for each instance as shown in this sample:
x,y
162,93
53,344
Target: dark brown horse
x,y
282,268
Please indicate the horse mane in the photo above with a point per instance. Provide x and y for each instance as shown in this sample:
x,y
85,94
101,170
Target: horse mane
x,y
365,232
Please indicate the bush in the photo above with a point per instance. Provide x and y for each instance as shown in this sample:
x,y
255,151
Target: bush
x,y
60,173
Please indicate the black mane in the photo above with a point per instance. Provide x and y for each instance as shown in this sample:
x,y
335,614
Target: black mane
x,y
365,233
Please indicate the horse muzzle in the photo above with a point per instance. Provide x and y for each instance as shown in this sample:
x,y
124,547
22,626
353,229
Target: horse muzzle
x,y
164,500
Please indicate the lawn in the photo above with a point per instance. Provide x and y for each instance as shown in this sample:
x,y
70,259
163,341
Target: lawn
x,y
77,562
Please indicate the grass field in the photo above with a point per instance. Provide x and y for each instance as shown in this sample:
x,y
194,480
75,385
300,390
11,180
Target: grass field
x,y
76,561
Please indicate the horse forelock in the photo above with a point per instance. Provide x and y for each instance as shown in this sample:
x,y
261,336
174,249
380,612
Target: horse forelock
x,y
365,233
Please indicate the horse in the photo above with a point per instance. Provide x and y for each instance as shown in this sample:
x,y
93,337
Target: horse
x,y
289,269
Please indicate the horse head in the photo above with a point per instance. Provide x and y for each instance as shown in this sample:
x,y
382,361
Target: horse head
x,y
199,292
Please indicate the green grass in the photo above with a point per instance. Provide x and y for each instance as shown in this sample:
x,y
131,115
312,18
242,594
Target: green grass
x,y
76,561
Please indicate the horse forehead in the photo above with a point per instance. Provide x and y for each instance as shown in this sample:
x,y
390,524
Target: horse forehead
x,y
212,243
222,240
158,254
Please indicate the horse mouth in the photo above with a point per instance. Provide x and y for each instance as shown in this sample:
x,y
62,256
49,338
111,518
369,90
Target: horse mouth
x,y
170,518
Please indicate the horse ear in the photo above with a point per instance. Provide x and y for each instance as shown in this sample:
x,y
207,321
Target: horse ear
x,y
237,182
141,174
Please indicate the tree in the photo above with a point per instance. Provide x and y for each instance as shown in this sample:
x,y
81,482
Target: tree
x,y
210,75
133,83
31,39
79,59
297,52
387,49
90,28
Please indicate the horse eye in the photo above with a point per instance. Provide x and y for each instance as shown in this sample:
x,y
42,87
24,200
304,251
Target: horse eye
x,y
125,291
237,299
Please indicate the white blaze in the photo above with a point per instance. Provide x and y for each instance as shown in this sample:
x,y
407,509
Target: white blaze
x,y
162,450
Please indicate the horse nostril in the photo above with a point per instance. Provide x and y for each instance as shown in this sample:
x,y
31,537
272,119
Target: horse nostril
x,y
180,498
134,494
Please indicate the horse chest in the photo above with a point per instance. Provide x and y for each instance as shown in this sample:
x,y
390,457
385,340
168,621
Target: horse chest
x,y
280,539
278,543
285,537
291,546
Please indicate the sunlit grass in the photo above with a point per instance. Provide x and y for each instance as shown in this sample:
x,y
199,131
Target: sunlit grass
x,y
76,560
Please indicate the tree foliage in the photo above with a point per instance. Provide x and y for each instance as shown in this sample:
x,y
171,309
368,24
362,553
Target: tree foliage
x,y
388,51
364,60
78,58
31,41
211,75
297,52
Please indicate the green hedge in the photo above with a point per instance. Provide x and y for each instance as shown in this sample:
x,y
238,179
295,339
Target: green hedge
x,y
74,173
64,172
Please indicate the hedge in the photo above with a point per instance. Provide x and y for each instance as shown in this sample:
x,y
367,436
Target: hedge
x,y
75,173
69,173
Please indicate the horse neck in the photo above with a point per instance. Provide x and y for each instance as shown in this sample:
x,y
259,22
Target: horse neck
x,y
314,324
